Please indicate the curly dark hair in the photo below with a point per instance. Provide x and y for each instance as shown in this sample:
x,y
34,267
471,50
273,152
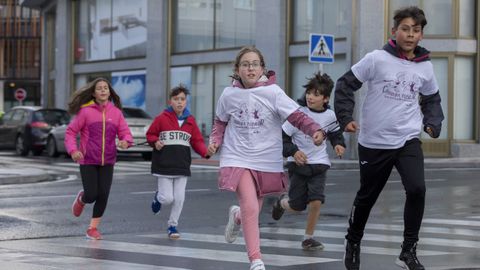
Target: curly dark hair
x,y
85,95
320,84
413,12
181,88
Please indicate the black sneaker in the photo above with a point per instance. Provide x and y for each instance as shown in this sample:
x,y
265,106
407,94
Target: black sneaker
x,y
408,259
311,244
277,209
351,258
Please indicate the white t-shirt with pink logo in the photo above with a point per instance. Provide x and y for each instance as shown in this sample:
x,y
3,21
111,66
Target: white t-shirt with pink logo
x,y
391,113
253,135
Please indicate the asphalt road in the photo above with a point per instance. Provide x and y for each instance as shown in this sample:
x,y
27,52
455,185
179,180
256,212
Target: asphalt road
x,y
39,232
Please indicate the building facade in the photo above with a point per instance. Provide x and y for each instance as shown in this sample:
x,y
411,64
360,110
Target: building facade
x,y
20,39
147,46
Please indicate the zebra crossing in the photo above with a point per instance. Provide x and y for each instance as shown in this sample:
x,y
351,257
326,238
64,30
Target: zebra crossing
x,y
444,245
64,166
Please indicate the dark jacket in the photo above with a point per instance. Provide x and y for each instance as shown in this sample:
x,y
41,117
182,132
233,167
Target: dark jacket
x,y
175,156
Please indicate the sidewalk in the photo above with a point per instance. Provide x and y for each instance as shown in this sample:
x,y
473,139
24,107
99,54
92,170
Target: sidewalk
x,y
10,174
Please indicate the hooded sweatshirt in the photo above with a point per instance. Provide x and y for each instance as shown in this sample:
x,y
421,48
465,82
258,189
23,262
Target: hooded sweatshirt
x,y
175,156
98,126
402,95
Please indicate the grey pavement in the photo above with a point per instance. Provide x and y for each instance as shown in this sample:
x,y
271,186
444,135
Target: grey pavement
x,y
17,174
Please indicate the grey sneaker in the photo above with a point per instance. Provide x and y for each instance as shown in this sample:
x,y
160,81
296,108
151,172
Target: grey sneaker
x,y
408,259
232,229
312,244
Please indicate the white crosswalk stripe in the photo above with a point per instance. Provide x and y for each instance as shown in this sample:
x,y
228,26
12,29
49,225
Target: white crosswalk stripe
x,y
43,253
121,167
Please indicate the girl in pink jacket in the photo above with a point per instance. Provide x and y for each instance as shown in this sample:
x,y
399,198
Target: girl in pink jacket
x,y
99,120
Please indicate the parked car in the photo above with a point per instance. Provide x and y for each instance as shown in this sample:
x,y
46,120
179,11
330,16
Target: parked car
x,y
138,121
26,128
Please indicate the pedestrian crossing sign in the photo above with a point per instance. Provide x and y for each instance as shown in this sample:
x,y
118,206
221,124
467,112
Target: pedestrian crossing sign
x,y
321,48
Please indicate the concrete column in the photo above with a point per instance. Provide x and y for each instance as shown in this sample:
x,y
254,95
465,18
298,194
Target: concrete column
x,y
368,31
158,66
270,36
63,55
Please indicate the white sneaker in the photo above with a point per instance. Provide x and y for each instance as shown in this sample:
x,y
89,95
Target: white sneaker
x,y
232,229
257,265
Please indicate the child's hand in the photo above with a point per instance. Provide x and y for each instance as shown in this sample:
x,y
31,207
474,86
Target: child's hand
x,y
318,137
429,130
300,158
158,145
212,149
123,144
352,127
339,150
77,155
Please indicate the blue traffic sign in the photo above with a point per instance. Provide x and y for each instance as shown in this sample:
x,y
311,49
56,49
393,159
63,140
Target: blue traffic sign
x,y
321,49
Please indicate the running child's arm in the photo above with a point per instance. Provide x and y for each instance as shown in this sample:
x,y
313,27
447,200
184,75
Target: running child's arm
x,y
124,134
307,125
153,132
432,114
197,142
344,98
216,137
289,148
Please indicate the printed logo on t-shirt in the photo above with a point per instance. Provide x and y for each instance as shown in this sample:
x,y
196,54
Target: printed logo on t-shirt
x,y
249,118
175,137
403,87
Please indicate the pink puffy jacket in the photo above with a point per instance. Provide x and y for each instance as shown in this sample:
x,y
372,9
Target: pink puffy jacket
x,y
98,126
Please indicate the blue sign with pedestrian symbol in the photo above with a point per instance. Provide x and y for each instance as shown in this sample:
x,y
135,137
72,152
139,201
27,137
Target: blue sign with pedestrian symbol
x,y
321,48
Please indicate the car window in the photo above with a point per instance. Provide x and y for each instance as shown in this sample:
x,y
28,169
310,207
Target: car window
x,y
7,115
135,113
18,116
52,117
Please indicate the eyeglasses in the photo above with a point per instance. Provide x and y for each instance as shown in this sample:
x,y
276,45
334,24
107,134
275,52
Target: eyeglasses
x,y
248,65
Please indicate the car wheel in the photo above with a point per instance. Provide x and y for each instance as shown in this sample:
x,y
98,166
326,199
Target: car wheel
x,y
147,156
52,147
20,146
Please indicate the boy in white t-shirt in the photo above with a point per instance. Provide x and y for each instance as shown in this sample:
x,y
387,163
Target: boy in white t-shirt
x,y
308,163
402,96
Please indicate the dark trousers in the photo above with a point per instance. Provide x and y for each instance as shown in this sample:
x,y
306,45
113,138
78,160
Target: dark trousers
x,y
96,181
375,168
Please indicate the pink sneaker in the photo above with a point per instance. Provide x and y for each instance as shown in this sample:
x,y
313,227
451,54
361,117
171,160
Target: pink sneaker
x,y
94,234
77,206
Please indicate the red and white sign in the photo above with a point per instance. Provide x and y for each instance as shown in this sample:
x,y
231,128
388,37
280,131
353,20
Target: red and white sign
x,y
20,94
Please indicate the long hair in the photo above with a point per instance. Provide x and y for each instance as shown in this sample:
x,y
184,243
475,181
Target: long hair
x,y
85,94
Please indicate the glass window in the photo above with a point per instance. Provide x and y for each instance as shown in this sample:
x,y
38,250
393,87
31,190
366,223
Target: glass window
x,y
440,68
319,16
301,69
235,23
222,79
198,79
210,24
464,89
109,29
437,12
193,25
467,18
130,20
202,97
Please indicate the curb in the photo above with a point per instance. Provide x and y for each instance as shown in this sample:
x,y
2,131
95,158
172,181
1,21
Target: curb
x,y
16,176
